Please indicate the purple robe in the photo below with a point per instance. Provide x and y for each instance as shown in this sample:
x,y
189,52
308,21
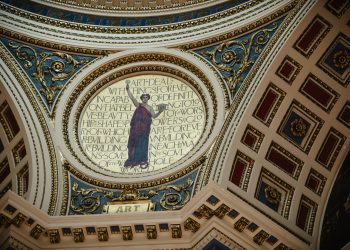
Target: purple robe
x,y
140,127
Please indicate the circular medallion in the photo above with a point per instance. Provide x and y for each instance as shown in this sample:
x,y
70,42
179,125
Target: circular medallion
x,y
142,123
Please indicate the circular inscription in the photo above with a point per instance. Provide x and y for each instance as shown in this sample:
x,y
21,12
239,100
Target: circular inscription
x,y
141,124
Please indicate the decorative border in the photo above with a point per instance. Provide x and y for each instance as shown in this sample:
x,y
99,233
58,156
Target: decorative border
x,y
311,207
117,29
316,90
158,6
304,128
339,60
252,138
286,191
312,40
330,148
19,152
22,181
152,183
284,158
319,179
269,104
345,112
242,169
290,65
51,45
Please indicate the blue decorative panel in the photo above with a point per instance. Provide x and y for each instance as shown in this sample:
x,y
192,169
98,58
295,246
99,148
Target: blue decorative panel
x,y
88,199
235,58
300,126
274,192
264,198
215,244
139,228
252,227
10,209
115,229
90,230
48,70
272,240
164,227
213,200
336,60
233,214
66,231
295,128
70,16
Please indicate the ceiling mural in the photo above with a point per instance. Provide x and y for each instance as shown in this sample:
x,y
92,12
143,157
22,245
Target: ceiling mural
x,y
162,124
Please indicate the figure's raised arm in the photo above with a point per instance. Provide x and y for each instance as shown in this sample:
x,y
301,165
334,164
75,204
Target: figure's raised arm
x,y
133,99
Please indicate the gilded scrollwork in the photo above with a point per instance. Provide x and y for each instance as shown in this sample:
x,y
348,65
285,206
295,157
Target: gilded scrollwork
x,y
48,68
178,196
86,201
91,200
234,57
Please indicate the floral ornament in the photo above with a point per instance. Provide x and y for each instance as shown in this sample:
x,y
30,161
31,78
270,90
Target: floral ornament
x,y
298,127
341,59
272,195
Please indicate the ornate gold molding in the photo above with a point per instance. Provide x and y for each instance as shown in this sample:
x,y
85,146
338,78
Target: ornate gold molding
x,y
51,45
148,184
129,30
23,81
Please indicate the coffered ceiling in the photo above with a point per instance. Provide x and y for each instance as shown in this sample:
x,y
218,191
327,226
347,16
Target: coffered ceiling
x,y
251,151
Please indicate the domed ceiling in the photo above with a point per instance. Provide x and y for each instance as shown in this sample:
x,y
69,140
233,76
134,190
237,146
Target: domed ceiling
x,y
162,124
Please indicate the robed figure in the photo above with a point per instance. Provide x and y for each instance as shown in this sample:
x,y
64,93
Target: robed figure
x,y
140,128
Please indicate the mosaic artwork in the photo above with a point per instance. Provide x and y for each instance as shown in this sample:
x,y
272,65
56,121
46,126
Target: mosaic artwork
x,y
142,123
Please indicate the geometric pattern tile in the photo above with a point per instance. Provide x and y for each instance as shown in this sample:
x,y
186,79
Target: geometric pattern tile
x,y
344,115
274,192
319,93
289,69
241,170
300,126
312,36
336,60
268,104
330,148
284,160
